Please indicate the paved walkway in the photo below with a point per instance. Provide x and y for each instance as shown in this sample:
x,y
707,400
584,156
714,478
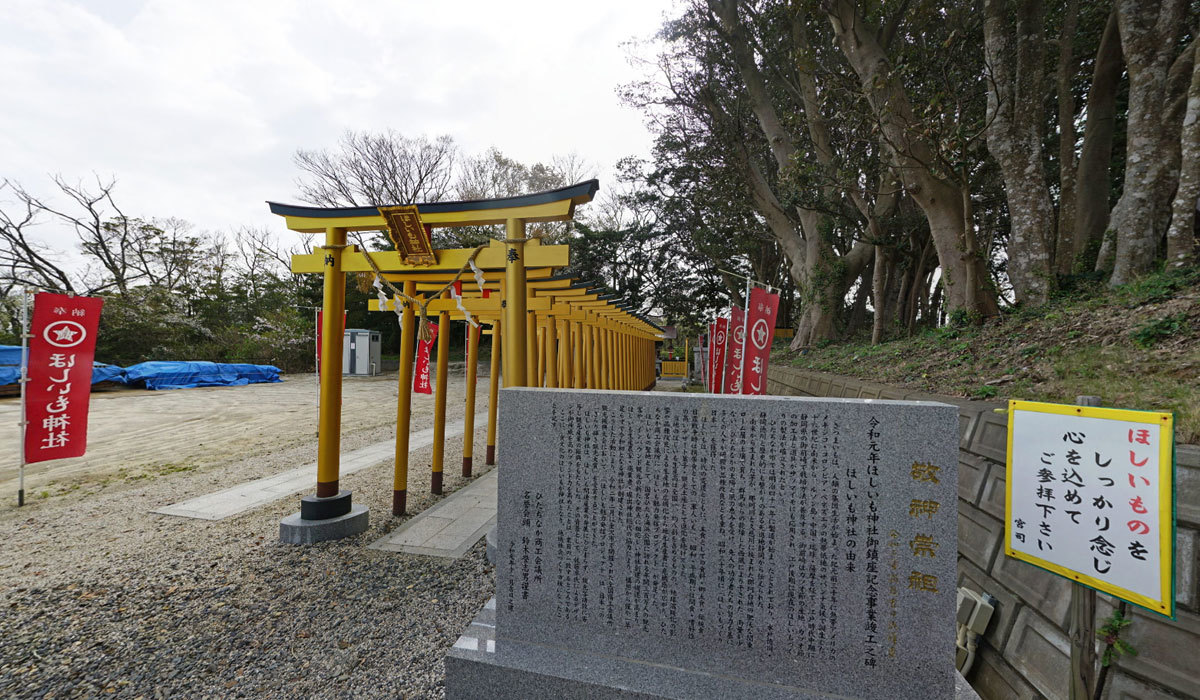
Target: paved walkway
x,y
252,494
449,528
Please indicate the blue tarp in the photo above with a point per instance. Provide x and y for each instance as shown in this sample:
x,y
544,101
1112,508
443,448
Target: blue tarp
x,y
10,354
10,370
156,375
255,374
107,373
186,375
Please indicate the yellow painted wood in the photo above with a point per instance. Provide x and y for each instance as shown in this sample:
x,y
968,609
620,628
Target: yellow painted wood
x,y
514,334
541,357
563,339
472,371
605,359
547,291
439,402
551,355
549,211
534,348
597,356
493,385
329,418
554,285
615,339
408,342
589,358
492,257
613,370
623,360
475,305
434,280
577,355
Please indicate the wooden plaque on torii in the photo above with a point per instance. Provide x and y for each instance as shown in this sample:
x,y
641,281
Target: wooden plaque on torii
x,y
408,234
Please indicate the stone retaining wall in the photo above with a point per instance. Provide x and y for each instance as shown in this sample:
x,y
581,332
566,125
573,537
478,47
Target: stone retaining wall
x,y
1026,651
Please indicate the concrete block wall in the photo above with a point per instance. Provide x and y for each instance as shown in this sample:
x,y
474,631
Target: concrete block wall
x,y
1026,652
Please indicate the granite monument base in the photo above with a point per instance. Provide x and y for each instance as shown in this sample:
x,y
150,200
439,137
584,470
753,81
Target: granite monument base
x,y
479,668
296,530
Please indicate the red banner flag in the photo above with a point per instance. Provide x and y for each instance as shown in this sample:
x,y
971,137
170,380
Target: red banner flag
x,y
61,349
733,352
421,376
760,332
718,355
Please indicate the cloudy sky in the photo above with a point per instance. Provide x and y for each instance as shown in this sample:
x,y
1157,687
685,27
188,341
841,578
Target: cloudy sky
x,y
197,107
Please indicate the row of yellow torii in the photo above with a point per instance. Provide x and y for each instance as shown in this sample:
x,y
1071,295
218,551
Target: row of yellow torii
x,y
554,331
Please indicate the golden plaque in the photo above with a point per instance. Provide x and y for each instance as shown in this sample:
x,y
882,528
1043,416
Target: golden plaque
x,y
408,234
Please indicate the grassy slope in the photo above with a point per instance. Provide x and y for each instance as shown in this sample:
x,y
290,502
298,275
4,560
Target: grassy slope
x,y
1136,347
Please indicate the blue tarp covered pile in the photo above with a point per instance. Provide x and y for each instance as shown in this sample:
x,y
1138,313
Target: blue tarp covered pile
x,y
10,368
10,355
156,375
107,373
186,375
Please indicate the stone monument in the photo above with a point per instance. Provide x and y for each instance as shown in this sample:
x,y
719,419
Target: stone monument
x,y
701,546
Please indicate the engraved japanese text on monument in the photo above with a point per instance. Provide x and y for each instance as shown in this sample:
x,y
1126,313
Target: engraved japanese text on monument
x,y
784,538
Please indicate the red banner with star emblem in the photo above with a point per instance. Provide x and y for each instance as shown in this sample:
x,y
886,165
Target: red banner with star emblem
x,y
733,351
760,332
718,355
62,345
421,376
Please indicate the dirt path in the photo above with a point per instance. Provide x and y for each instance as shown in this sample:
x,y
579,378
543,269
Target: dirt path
x,y
104,598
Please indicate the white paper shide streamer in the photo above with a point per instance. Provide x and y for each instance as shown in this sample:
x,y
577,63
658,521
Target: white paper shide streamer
x,y
458,302
383,300
478,274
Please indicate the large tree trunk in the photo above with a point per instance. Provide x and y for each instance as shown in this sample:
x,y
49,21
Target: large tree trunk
x,y
829,287
1016,53
858,308
1181,236
963,270
1064,245
1091,183
821,288
919,290
879,287
1179,79
806,258
1149,29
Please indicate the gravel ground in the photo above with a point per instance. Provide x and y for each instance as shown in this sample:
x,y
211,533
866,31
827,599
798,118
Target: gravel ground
x,y
103,598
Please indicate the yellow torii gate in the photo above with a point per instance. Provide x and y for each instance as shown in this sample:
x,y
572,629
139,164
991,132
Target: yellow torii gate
x,y
550,363
604,346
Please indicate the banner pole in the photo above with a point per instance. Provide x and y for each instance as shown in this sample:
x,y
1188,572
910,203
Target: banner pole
x,y
1082,626
745,323
23,381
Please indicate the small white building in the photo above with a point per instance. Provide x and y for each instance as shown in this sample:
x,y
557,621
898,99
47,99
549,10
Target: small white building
x,y
360,352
